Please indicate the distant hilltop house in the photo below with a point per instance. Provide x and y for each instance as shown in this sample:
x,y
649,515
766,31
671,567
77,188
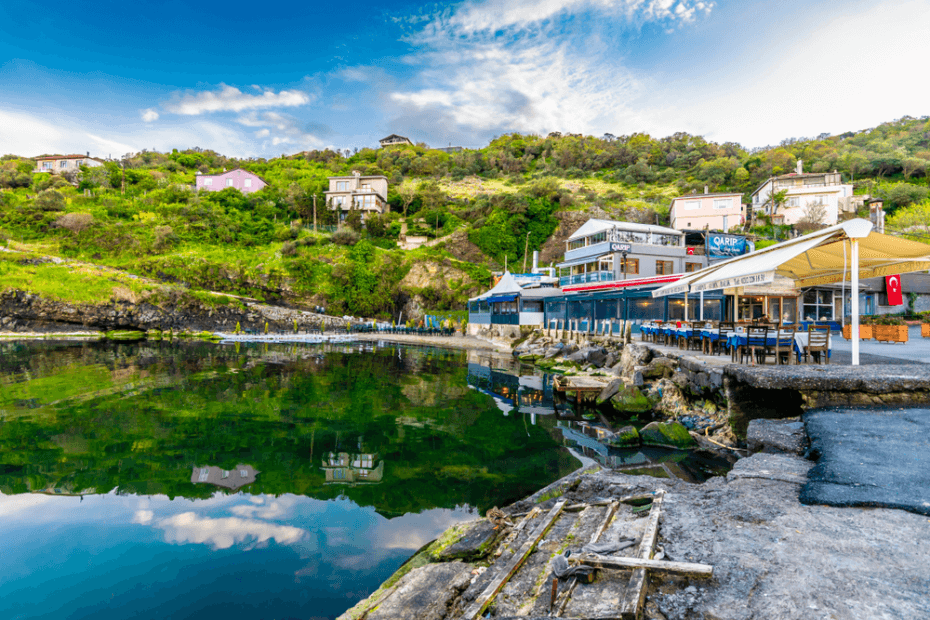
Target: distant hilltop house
x,y
366,193
807,194
394,140
243,180
65,163
228,478
722,211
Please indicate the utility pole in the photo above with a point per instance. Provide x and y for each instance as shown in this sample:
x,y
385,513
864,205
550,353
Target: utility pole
x,y
314,213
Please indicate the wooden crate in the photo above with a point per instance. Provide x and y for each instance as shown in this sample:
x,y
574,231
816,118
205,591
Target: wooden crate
x,y
890,333
865,332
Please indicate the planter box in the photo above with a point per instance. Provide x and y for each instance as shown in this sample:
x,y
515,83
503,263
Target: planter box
x,y
925,330
865,332
890,333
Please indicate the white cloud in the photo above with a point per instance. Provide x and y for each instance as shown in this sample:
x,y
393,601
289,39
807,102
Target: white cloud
x,y
225,532
143,517
23,134
231,99
149,115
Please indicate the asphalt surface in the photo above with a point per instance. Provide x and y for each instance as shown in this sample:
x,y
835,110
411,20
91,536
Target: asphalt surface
x,y
916,349
869,457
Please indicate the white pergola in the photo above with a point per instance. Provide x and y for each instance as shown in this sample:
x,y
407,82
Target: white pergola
x,y
845,252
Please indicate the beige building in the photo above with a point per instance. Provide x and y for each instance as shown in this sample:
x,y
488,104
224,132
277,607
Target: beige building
x,y
821,193
366,193
227,478
707,212
57,164
343,468
394,140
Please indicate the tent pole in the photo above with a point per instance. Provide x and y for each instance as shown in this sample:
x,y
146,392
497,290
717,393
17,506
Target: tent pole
x,y
686,307
855,302
702,305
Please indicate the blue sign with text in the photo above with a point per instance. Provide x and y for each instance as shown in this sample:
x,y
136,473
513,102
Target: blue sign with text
x,y
727,246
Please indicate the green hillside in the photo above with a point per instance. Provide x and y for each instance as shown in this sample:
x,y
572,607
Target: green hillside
x,y
484,207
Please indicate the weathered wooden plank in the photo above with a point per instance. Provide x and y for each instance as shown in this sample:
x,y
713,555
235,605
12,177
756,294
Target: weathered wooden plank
x,y
517,529
635,593
484,599
621,562
611,511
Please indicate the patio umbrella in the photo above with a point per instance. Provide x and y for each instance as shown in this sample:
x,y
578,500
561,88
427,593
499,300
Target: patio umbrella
x,y
845,252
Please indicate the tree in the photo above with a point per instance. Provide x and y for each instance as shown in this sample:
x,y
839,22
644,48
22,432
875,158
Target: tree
x,y
354,219
408,192
777,199
432,196
812,217
913,165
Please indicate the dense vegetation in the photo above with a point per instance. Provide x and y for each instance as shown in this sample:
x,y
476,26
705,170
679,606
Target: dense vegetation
x,y
489,206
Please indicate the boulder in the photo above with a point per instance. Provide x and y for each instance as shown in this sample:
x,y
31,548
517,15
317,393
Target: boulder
x,y
596,356
611,360
634,355
577,357
659,368
671,401
666,435
612,388
474,544
570,348
552,352
630,400
626,437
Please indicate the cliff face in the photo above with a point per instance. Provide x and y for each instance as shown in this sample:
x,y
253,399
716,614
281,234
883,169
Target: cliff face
x,y
21,311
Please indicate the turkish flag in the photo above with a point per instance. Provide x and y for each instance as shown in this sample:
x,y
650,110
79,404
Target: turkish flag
x,y
690,251
893,290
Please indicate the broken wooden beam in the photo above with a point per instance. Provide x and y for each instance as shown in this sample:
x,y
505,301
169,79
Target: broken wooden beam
x,y
608,516
485,598
626,563
635,593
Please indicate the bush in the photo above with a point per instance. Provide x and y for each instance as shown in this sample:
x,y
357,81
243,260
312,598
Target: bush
x,y
50,200
75,222
345,236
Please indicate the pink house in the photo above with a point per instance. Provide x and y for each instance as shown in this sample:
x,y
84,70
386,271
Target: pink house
x,y
243,180
711,211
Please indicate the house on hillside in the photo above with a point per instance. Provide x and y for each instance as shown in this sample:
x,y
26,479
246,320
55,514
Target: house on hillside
x,y
819,193
227,478
243,180
394,140
57,164
721,211
366,193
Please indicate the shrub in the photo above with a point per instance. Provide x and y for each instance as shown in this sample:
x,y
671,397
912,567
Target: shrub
x,y
345,236
50,200
75,222
289,248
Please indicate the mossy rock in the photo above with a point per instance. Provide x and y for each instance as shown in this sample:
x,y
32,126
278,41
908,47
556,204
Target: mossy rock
x,y
208,336
631,400
667,435
626,437
124,335
153,334
475,544
528,357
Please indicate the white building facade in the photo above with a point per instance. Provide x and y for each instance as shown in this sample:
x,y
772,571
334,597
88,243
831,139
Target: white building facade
x,y
809,196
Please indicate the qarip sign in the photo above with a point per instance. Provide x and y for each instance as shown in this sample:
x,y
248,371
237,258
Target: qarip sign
x,y
893,290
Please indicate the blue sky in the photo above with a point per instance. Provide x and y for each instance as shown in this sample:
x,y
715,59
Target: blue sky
x,y
253,80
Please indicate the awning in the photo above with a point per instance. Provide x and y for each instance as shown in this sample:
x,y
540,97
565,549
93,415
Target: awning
x,y
582,261
497,298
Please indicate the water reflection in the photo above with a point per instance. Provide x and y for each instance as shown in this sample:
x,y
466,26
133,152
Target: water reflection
x,y
240,476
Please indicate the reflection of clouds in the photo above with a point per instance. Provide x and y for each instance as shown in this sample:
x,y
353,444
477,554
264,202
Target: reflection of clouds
x,y
225,532
143,517
11,504
276,509
412,531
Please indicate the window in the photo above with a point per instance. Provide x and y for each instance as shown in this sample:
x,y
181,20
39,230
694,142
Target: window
x,y
339,201
204,474
342,186
577,243
793,201
691,205
243,473
63,164
208,182
225,474
247,183
783,309
668,240
817,306
78,163
600,237
229,182
664,267
750,308
47,165
723,203
366,185
629,266
692,267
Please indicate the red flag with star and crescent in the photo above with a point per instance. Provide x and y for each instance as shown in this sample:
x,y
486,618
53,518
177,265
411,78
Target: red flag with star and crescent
x,y
893,290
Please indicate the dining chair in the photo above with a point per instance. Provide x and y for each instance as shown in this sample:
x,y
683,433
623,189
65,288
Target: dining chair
x,y
782,349
756,342
724,330
818,344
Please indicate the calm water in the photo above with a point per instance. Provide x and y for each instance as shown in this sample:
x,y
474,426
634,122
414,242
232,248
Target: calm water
x,y
183,480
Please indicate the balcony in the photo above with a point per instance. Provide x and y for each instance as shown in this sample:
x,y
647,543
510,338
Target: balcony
x,y
584,278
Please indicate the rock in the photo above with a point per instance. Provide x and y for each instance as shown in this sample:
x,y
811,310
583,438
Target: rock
x,y
659,368
424,593
474,544
666,435
786,436
626,437
681,379
638,379
630,400
577,357
634,355
611,360
570,348
771,467
612,388
671,401
596,356
552,352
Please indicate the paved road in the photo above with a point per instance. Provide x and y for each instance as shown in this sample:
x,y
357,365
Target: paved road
x,y
870,457
916,349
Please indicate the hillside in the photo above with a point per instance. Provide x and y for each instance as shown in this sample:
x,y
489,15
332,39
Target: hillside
x,y
518,194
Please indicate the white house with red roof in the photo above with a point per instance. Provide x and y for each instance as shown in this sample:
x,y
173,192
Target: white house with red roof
x,y
56,164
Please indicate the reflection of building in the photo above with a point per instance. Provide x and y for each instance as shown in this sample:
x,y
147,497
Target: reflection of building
x,y
226,478
527,394
343,468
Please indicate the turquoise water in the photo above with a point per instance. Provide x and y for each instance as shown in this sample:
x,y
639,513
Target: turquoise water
x,y
192,480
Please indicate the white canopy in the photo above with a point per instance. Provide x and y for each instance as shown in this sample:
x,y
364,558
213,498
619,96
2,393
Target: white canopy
x,y
845,252
507,286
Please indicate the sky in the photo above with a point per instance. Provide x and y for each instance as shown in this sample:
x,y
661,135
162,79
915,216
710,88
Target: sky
x,y
254,80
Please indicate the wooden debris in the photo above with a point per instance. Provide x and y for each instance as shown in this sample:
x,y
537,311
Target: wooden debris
x,y
608,516
635,594
485,598
527,517
625,563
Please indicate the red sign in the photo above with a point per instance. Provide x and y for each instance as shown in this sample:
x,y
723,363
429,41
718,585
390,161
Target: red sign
x,y
690,251
893,290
